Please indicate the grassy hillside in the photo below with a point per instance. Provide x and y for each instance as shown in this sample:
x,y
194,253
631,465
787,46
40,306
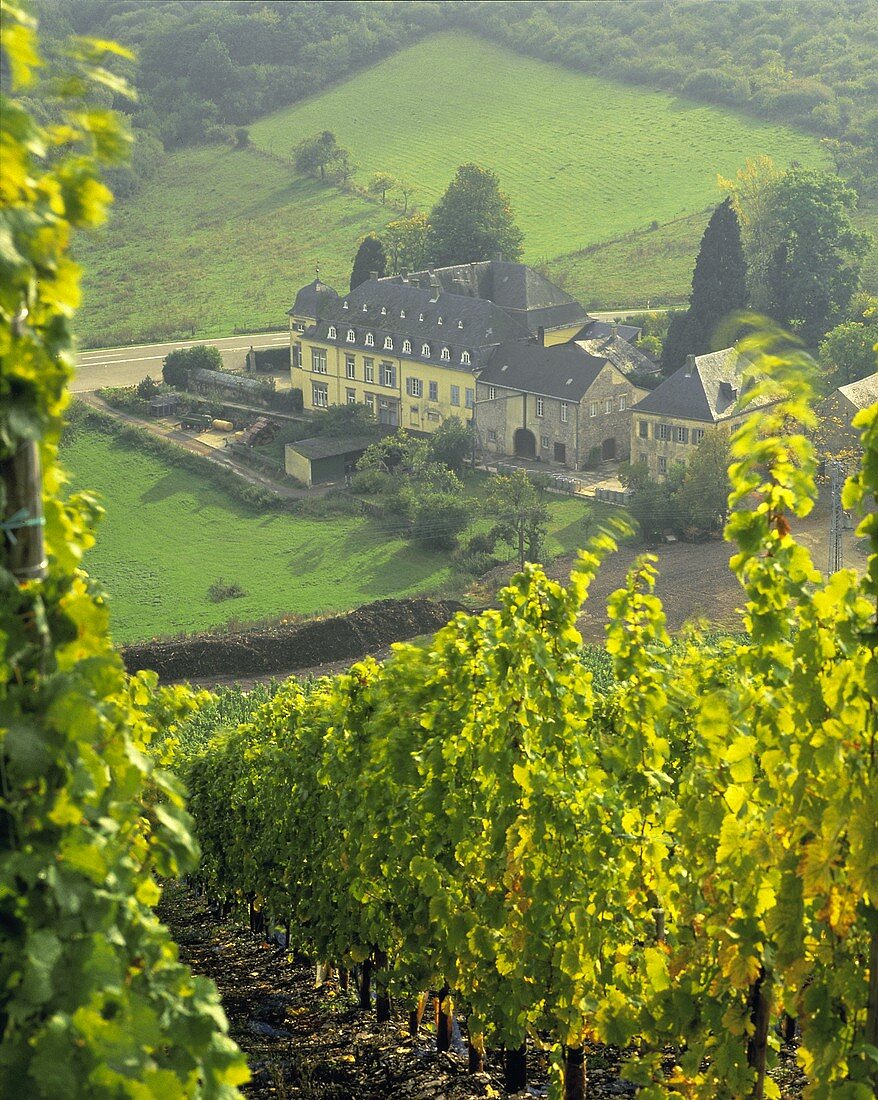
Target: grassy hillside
x,y
221,237
582,158
169,535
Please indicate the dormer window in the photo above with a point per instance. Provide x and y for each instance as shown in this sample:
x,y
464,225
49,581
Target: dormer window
x,y
365,307
388,343
425,350
402,313
407,346
383,311
460,324
465,358
351,336
439,320
332,333
344,304
370,340
446,354
420,316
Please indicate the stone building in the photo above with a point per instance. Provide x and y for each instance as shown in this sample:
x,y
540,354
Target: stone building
x,y
669,422
558,404
835,437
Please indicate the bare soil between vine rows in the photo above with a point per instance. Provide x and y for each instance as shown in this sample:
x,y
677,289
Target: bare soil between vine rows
x,y
304,1042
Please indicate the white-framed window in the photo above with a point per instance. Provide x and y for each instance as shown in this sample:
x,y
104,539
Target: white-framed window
x,y
470,398
608,405
623,402
663,431
414,387
662,464
388,374
425,350
434,391
351,396
388,343
318,360
344,304
439,319
370,340
446,355
465,358
697,435
402,313
492,392
460,324
540,406
592,408
383,311
350,366
369,370
681,435
297,356
564,412
492,436
370,402
544,441
332,333
365,307
351,336
406,347
320,395
455,395
300,327
643,429
420,316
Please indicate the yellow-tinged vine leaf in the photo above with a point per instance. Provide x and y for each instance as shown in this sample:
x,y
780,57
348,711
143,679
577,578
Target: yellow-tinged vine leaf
x,y
148,892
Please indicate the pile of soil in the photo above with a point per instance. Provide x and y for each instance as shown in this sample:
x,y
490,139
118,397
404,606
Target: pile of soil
x,y
289,647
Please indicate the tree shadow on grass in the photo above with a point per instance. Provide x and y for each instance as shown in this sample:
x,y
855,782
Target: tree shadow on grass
x,y
167,486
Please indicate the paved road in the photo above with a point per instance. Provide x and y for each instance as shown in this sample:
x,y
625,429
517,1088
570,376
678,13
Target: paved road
x,y
126,366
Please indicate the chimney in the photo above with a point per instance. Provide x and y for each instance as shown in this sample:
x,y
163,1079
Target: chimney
x,y
541,336
435,288
497,257
614,329
373,274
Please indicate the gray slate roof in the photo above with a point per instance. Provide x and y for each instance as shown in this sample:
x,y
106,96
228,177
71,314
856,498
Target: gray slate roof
x,y
861,394
310,298
624,356
524,294
705,388
598,330
563,371
419,315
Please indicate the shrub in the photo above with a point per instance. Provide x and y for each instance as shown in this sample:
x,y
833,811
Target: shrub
x,y
220,591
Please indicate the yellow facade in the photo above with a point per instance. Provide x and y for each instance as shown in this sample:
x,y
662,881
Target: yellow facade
x,y
401,391
552,336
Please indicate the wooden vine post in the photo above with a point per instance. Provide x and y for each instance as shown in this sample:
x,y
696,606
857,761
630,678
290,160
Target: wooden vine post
x,y
574,1073
24,553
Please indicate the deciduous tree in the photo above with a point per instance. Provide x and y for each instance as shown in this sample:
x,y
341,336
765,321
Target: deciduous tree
x,y
408,241
381,183
473,220
518,503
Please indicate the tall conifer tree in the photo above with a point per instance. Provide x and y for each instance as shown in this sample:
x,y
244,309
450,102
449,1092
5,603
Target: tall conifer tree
x,y
370,257
718,288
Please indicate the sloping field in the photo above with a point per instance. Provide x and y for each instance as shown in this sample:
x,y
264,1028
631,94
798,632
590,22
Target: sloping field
x,y
219,238
582,159
169,534
224,237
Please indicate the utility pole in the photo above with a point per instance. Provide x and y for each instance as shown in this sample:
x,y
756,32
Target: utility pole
x,y
836,516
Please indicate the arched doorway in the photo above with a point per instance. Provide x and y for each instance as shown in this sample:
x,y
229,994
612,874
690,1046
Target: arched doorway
x,y
525,444
608,449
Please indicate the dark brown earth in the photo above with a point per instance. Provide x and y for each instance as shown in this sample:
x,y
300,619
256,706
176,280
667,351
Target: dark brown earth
x,y
314,1043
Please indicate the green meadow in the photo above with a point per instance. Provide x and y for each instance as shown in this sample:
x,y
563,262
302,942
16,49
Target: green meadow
x,y
169,534
581,158
223,238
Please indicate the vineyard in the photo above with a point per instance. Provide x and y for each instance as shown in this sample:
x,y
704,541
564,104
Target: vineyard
x,y
681,856
676,856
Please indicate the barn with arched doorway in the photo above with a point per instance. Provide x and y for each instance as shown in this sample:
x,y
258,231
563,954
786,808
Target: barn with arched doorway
x,y
525,443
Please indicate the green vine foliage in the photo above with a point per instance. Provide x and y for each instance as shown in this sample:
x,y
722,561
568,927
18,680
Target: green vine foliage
x,y
93,999
672,861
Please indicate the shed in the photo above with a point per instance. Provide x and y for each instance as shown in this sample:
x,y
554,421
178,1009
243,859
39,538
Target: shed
x,y
318,461
163,404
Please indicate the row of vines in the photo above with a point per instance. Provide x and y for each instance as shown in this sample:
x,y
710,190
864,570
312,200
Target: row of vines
x,y
684,861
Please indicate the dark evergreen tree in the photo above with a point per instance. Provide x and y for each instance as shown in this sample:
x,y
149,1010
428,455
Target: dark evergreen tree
x,y
718,288
473,220
370,257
